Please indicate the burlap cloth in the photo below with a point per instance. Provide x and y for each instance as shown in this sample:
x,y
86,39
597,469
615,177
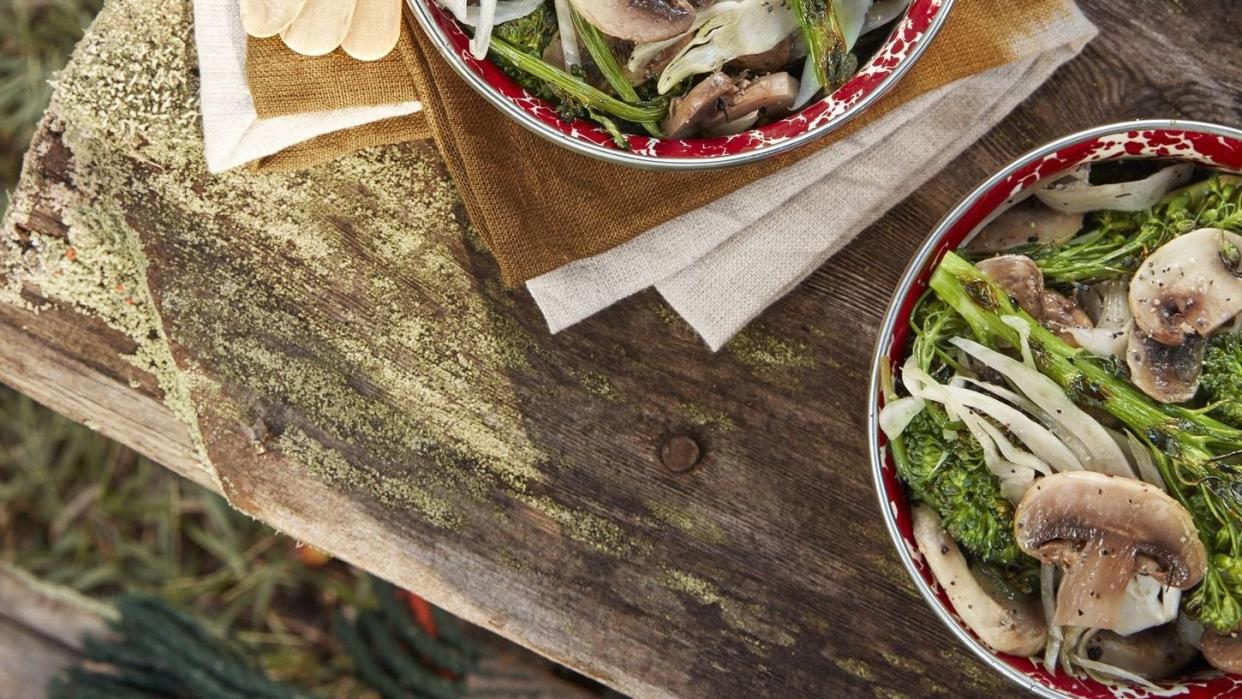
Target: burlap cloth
x,y
539,206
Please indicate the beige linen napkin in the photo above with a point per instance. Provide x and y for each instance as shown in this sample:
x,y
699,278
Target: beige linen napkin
x,y
719,266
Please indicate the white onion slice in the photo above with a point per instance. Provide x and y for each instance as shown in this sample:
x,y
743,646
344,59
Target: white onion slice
x,y
506,11
569,35
1143,463
644,53
1102,342
808,87
851,17
883,12
897,414
483,30
1048,600
1014,457
1024,336
1112,672
1073,194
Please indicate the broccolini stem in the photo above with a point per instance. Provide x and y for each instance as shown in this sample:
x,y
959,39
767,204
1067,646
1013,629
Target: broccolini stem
x,y
825,42
601,54
576,87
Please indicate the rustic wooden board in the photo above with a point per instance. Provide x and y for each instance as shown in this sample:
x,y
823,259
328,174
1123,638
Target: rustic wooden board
x,y
337,348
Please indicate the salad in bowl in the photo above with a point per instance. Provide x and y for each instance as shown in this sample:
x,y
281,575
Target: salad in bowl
x,y
681,83
1057,415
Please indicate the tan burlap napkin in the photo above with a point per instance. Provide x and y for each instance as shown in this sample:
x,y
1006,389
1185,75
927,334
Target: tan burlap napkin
x,y
283,82
539,206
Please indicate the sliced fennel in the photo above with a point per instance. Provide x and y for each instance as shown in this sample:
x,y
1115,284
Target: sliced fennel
x,y
1074,194
1140,454
745,27
568,35
963,403
1098,450
897,414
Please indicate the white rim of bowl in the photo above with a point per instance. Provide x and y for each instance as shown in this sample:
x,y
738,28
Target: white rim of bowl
x,y
649,162
883,346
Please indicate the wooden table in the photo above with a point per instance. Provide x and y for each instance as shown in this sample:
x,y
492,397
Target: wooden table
x,y
332,352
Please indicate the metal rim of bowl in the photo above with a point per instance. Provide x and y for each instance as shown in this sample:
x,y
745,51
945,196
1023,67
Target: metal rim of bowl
x,y
622,157
884,345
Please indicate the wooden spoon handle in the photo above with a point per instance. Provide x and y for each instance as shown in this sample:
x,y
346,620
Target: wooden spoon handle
x,y
375,29
320,27
264,18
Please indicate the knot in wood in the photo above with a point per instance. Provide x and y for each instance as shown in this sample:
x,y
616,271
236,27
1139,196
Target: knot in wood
x,y
680,453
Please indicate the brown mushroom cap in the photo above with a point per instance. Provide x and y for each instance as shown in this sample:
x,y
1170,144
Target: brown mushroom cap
x,y
1153,654
1223,651
1009,626
1104,530
1168,374
1026,222
1186,287
1022,279
640,21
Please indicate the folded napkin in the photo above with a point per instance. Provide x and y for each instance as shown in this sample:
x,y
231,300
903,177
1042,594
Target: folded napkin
x,y
722,264
309,109
722,245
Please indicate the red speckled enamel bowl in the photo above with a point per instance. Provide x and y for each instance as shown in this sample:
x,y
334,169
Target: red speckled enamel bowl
x,y
913,33
1207,144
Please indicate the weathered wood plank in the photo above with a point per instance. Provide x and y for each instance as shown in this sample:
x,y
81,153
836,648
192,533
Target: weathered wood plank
x,y
359,383
41,632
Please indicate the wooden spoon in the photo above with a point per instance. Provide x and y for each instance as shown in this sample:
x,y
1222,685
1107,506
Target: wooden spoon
x,y
320,27
264,18
375,29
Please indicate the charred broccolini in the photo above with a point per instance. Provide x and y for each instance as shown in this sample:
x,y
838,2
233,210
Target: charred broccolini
x,y
1114,243
1195,453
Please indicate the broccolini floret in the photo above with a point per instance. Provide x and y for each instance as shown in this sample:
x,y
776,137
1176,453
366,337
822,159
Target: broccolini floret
x,y
951,477
1221,380
530,34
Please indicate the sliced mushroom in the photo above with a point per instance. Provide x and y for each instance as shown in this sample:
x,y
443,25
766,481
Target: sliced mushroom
x,y
1189,286
1021,278
1169,374
640,21
718,99
1153,654
1023,223
1009,626
1223,651
770,61
1061,315
1103,530
771,94
699,108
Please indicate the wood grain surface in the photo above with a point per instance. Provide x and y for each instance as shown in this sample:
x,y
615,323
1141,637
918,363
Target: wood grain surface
x,y
332,346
